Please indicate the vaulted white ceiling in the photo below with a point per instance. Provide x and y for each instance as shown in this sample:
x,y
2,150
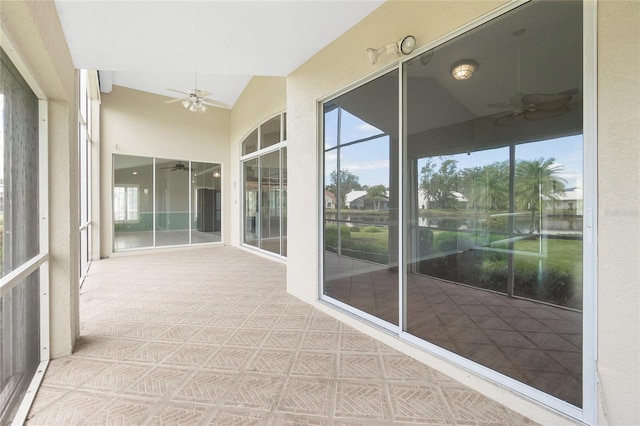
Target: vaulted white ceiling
x,y
158,45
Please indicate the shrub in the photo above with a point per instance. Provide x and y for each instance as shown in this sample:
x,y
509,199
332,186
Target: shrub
x,y
331,236
499,224
355,229
452,241
493,274
367,250
448,223
372,229
552,285
425,241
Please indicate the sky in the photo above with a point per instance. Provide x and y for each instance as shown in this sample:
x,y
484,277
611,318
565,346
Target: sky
x,y
370,160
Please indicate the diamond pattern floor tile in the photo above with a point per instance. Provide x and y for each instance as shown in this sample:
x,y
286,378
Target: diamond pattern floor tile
x,y
221,342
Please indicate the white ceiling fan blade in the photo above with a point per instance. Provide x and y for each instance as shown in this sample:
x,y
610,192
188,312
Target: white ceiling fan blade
x,y
499,105
201,93
553,105
544,114
507,119
175,100
212,102
543,98
178,91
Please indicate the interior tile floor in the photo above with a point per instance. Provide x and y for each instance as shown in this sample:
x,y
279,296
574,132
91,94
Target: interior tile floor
x,y
208,335
535,343
124,240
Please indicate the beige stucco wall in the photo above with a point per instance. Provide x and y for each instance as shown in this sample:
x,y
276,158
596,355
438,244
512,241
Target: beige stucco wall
x,y
345,61
139,123
261,99
33,38
619,210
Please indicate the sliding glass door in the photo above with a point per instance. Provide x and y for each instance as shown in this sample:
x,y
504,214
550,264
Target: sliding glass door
x,y
264,171
361,227
132,202
491,199
165,202
172,202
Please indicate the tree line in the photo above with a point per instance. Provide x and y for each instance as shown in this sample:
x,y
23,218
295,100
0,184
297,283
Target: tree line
x,y
484,187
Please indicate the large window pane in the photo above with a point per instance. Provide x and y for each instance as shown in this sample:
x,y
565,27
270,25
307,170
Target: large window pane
x,y
284,201
270,132
264,188
84,175
19,186
251,199
360,201
132,202
183,205
206,198
19,343
270,198
19,237
494,197
250,144
172,201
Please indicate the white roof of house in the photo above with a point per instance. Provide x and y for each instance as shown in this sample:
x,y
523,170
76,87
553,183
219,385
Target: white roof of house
x,y
354,195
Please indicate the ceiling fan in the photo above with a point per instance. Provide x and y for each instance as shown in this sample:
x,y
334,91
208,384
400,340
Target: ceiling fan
x,y
534,106
179,166
196,100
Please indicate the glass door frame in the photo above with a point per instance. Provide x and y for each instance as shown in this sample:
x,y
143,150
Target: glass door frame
x,y
153,204
257,155
589,412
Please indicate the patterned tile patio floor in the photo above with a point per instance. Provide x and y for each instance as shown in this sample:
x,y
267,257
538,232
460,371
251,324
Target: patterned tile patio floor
x,y
210,336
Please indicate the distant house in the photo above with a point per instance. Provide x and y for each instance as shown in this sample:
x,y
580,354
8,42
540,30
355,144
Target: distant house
x,y
425,202
329,200
355,200
358,200
571,199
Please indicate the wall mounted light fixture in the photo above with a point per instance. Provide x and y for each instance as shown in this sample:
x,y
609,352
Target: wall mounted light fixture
x,y
404,46
463,70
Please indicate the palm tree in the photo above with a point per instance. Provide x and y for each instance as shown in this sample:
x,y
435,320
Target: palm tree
x,y
537,180
377,193
488,186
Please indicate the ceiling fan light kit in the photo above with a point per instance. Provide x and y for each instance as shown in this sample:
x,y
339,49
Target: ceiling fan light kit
x,y
196,100
463,70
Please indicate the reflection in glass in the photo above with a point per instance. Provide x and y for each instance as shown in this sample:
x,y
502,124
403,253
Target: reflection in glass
x,y
270,132
265,189
494,200
206,214
132,202
178,216
360,202
250,144
284,126
172,202
283,251
251,175
270,197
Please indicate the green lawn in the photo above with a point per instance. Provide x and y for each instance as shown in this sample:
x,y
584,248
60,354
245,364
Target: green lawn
x,y
560,254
